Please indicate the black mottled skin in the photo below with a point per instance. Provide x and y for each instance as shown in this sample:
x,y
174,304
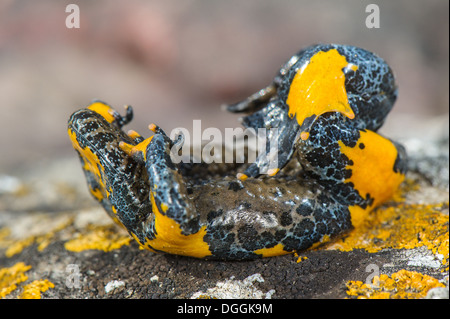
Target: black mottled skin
x,y
295,210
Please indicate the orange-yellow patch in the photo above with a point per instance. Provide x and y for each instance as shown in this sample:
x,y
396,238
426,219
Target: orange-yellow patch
x,y
319,87
134,149
170,239
373,170
276,250
104,110
91,164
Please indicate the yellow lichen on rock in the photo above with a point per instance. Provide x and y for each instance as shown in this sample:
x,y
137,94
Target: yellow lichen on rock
x,y
19,245
104,238
400,285
301,258
400,227
16,246
11,277
34,289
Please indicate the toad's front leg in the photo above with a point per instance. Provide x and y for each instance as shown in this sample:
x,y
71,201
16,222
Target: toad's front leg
x,y
174,227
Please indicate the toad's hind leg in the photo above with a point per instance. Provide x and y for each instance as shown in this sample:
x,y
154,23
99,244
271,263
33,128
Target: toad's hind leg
x,y
174,227
358,167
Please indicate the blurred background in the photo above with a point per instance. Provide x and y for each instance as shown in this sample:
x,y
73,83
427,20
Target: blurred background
x,y
175,61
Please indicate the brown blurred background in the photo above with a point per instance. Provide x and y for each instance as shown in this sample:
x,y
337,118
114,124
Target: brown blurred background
x,y
179,60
